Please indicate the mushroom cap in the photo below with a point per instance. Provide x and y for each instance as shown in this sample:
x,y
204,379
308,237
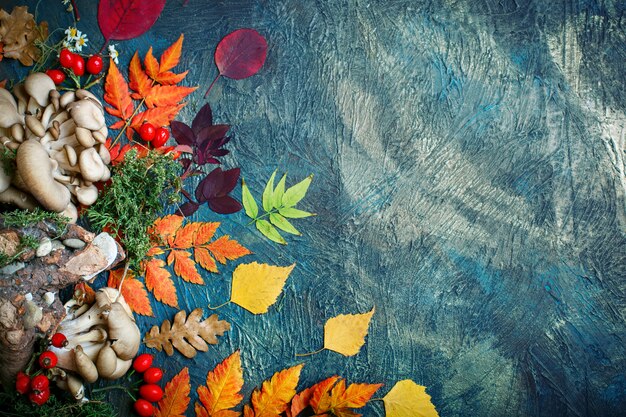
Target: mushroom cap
x,y
91,165
85,137
107,361
124,332
38,85
87,195
87,114
71,212
7,96
8,113
5,180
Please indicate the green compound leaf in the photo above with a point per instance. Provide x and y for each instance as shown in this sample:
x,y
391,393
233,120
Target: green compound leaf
x,y
296,193
249,204
294,213
277,196
270,231
283,224
268,192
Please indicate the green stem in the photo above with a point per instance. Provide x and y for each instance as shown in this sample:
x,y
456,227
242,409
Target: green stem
x,y
267,213
299,355
109,388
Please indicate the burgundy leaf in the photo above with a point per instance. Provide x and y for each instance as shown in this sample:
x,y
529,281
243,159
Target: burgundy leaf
x,y
210,186
212,134
188,208
220,152
127,19
203,119
241,54
229,180
224,205
182,133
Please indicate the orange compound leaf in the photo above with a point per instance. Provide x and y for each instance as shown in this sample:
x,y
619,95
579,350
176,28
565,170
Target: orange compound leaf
x,y
133,291
171,56
159,281
184,266
118,125
169,78
225,248
311,396
138,80
204,258
164,228
247,411
223,389
116,93
185,236
356,396
274,396
155,251
167,95
176,399
205,232
158,116
151,64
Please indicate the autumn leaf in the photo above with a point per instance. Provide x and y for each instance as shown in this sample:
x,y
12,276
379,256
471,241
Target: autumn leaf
x,y
274,396
169,78
185,235
127,19
158,116
159,282
116,93
205,233
133,291
176,396
171,56
151,64
225,248
407,399
184,266
203,257
346,333
222,390
187,334
241,54
319,391
167,95
138,80
20,34
165,228
256,287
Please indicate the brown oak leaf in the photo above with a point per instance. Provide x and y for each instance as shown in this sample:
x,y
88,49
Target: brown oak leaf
x,y
18,34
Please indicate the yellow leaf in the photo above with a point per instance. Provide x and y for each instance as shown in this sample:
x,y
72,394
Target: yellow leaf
x,y
176,399
275,394
257,286
407,399
346,333
222,390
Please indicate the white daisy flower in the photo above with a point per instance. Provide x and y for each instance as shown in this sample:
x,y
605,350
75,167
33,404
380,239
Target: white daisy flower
x,y
113,54
65,2
80,42
72,34
69,46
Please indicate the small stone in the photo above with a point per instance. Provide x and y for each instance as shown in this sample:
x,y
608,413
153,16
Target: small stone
x,y
32,316
74,243
56,245
12,268
45,247
48,298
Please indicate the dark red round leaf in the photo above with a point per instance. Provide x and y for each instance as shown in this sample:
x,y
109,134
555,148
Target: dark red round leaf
x,y
241,54
127,19
210,186
230,179
224,205
187,209
203,119
182,133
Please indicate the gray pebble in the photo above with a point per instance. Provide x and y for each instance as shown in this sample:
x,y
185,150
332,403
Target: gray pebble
x,y
45,247
74,243
12,268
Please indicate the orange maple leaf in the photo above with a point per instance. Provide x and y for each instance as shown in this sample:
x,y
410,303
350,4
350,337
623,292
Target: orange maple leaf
x,y
225,248
310,396
138,80
169,78
185,235
184,266
159,281
222,390
158,116
341,400
151,64
133,291
204,258
116,93
176,396
205,233
171,56
165,228
167,95
274,396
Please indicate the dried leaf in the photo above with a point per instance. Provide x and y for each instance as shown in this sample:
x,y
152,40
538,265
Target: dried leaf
x,y
165,228
222,390
116,93
171,56
151,64
176,396
133,291
274,396
167,95
127,19
187,334
355,396
205,232
320,391
159,281
407,399
185,235
158,116
256,287
346,333
225,248
138,80
241,54
184,266
19,33
204,258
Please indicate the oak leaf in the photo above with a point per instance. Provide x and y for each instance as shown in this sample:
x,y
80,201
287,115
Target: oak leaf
x,y
407,399
222,390
275,394
256,287
184,266
346,333
176,396
138,80
116,93
159,281
187,334
133,291
19,34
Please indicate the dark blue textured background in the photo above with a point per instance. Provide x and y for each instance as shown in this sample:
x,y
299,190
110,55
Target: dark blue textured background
x,y
469,180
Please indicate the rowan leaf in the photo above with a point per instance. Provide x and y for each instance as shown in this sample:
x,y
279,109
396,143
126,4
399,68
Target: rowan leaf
x,y
205,233
269,231
223,389
283,224
138,80
279,191
256,287
169,78
133,291
185,235
187,334
225,248
116,93
171,56
184,266
158,116
294,213
268,192
204,258
407,399
165,228
167,95
274,396
297,192
159,282
249,204
346,333
151,64
176,399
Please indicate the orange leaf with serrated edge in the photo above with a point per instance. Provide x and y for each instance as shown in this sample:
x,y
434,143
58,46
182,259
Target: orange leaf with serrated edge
x,y
222,390
319,391
184,266
154,251
167,95
118,124
116,93
151,64
133,291
159,281
165,227
274,396
158,116
225,248
247,411
204,258
205,233
169,78
185,235
341,400
171,56
176,396
138,80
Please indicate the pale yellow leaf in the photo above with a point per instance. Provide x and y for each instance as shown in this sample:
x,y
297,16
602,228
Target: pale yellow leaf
x,y
346,333
257,286
407,399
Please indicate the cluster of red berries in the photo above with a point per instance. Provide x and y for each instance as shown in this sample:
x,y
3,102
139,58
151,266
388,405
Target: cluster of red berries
x,y
156,136
75,63
149,392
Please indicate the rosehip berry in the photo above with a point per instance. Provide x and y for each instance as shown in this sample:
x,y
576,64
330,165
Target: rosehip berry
x,y
143,408
161,136
39,397
142,362
94,64
39,383
57,76
66,58
48,360
152,375
78,65
147,132
59,340
22,383
151,392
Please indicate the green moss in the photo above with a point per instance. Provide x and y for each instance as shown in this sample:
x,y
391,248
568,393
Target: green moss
x,y
24,218
15,405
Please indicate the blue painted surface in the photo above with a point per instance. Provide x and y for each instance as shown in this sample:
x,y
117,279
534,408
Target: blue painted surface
x,y
469,181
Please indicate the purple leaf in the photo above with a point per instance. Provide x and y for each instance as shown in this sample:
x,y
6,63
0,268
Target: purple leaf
x,y
220,152
188,208
182,133
210,186
241,54
229,180
203,119
211,134
224,205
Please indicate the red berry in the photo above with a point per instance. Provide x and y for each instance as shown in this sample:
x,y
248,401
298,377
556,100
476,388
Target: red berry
x,y
147,132
22,383
39,383
142,362
143,408
48,360
57,76
66,58
94,64
152,375
39,397
151,392
59,340
161,136
78,65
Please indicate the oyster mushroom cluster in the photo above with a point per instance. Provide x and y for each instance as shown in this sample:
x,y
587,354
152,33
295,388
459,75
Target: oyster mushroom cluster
x,y
102,341
60,145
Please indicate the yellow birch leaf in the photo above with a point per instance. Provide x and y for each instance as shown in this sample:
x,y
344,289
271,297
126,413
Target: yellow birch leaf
x,y
257,286
346,333
407,399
